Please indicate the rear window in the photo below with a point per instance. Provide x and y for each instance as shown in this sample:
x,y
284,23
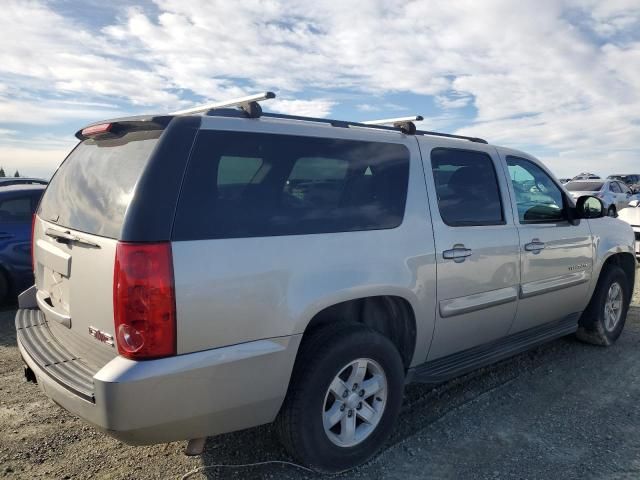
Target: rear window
x,y
584,186
252,184
93,187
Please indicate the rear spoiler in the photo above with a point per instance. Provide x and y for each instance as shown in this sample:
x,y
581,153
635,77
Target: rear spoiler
x,y
118,126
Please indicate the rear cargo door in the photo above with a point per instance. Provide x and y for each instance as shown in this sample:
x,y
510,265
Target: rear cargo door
x,y
75,236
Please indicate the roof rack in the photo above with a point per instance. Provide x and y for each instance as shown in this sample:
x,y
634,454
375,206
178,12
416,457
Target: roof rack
x,y
249,104
405,124
251,108
347,124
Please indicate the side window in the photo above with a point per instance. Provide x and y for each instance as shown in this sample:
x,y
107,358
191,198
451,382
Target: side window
x,y
614,187
466,187
242,184
316,180
538,198
624,188
16,210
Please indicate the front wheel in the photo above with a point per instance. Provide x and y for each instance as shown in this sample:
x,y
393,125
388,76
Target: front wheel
x,y
604,318
344,397
612,211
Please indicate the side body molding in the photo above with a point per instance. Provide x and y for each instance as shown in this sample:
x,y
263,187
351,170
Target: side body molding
x,y
546,285
478,301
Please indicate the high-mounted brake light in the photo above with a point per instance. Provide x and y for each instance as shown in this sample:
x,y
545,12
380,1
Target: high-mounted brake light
x,y
144,304
96,129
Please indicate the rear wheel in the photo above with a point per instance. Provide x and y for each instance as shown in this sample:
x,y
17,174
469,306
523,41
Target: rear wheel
x,y
604,318
344,397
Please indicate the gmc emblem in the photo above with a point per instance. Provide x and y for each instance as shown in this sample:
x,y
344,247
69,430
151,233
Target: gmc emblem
x,y
101,336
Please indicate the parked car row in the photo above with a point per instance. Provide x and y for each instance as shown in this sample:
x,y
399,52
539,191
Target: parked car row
x,y
630,180
615,194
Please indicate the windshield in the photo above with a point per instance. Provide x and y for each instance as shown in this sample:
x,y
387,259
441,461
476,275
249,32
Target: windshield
x,y
93,187
583,186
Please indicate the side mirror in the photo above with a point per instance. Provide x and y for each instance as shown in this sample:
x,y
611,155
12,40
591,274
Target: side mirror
x,y
589,207
634,203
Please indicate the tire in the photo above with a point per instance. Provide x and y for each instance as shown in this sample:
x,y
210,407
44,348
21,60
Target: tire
x,y
4,288
612,212
600,325
310,402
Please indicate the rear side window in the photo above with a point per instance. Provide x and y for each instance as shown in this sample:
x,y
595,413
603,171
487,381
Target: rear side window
x,y
614,187
466,187
289,185
93,187
16,210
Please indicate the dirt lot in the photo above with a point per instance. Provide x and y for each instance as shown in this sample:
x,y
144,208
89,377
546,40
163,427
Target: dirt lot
x,y
565,410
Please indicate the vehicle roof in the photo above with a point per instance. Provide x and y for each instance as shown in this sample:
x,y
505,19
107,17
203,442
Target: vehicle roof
x,y
587,181
27,187
20,179
280,119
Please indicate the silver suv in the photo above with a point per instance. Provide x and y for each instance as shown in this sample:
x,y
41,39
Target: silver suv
x,y
202,273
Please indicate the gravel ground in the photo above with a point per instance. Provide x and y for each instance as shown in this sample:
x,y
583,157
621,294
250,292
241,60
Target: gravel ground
x,y
565,410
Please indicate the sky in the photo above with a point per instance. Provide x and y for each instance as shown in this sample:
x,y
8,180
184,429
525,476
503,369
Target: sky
x,y
558,79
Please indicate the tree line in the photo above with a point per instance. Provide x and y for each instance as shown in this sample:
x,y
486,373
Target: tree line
x,y
3,174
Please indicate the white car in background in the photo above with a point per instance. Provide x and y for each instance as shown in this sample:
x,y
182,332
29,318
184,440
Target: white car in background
x,y
615,195
631,215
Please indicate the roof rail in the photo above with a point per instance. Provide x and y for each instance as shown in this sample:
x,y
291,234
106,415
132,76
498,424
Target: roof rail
x,y
374,124
249,104
450,135
405,124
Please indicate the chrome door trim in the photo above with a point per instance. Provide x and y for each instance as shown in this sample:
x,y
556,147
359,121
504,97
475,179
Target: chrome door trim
x,y
546,285
477,301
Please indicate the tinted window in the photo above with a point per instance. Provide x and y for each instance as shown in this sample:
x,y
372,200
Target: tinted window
x,y
290,185
237,170
614,187
624,188
92,189
466,187
538,198
16,210
584,186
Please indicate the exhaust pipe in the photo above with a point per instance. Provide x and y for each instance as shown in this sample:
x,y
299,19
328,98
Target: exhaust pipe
x,y
29,375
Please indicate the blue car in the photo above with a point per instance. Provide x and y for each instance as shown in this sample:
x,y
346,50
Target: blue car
x,y
17,206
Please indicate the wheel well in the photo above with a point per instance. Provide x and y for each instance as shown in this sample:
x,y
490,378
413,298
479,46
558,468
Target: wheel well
x,y
391,316
626,262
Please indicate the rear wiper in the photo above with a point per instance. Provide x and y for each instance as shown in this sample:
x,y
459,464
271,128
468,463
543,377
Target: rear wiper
x,y
68,237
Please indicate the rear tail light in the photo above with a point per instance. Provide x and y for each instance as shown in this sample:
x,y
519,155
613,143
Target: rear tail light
x,y
144,304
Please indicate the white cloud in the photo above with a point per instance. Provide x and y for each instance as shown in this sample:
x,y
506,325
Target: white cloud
x,y
309,108
558,77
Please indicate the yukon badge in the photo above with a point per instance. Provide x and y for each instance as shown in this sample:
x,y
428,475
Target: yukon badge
x,y
101,336
582,266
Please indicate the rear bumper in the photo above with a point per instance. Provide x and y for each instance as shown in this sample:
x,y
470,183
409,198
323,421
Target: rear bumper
x,y
183,397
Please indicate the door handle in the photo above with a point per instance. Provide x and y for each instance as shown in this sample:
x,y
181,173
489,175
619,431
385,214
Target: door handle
x,y
535,246
458,253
